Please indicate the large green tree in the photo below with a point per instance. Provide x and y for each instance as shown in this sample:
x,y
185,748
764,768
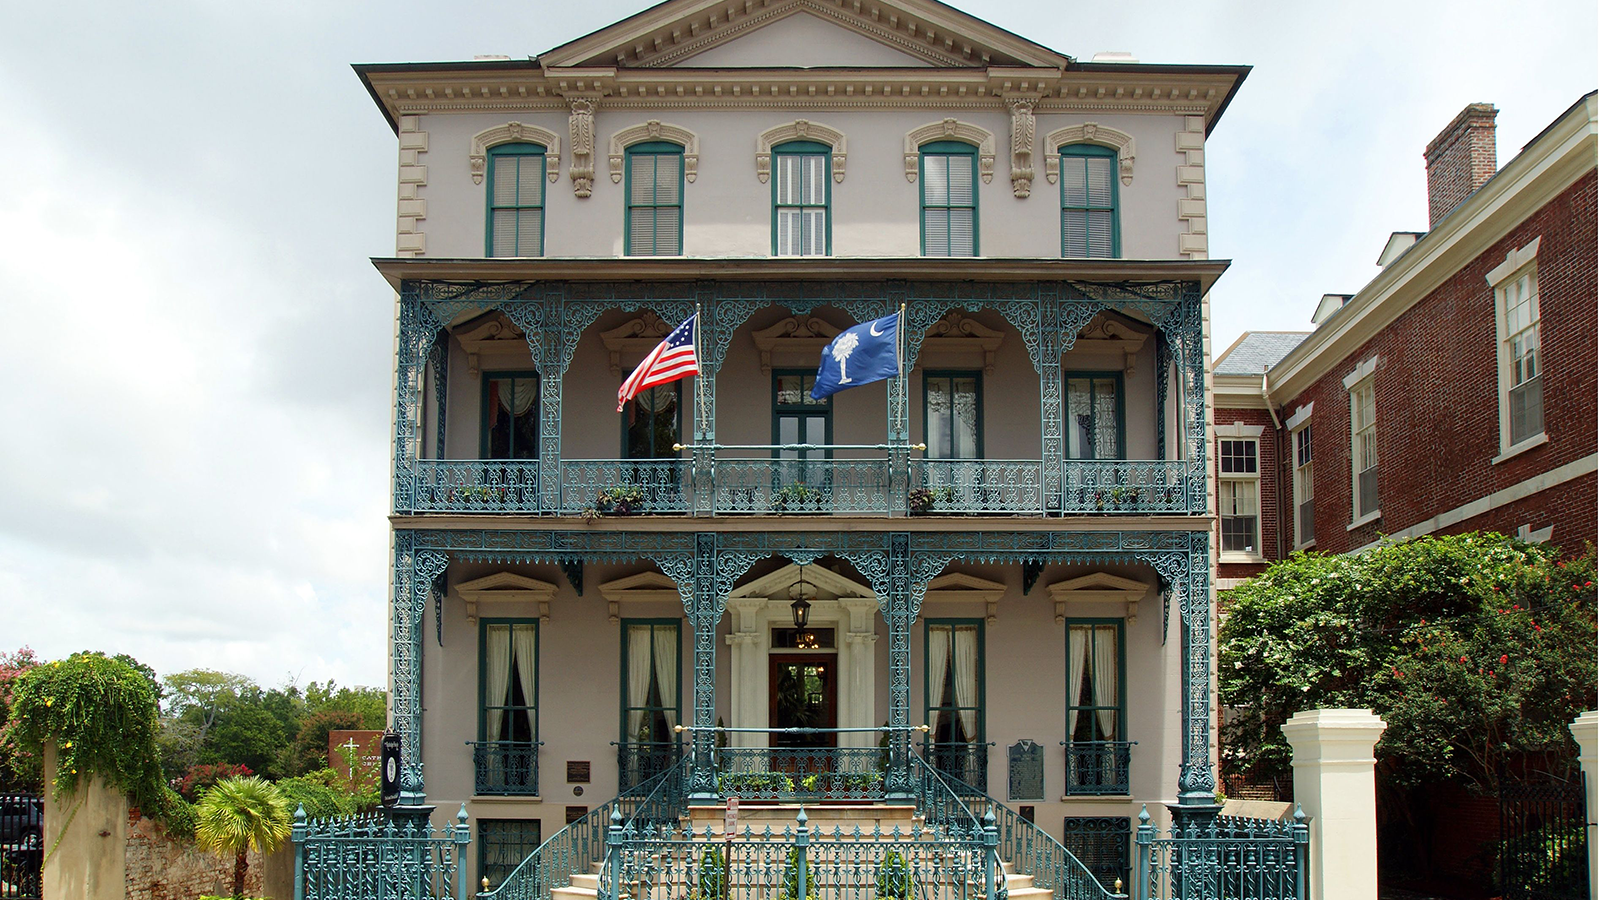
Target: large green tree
x,y
1477,649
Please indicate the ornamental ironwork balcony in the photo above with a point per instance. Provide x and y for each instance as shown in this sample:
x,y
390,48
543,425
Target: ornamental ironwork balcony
x,y
811,487
967,763
1097,767
505,767
640,761
802,773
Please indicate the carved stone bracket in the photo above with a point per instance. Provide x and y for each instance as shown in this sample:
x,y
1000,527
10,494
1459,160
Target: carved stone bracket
x,y
951,130
506,587
580,125
1022,128
795,341
799,130
515,133
1098,587
1089,133
655,130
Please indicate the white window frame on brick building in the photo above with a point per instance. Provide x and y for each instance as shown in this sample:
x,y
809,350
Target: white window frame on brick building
x,y
1239,489
1518,353
1301,448
1363,442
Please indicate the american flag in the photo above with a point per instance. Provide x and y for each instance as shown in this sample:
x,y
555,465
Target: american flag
x,y
672,359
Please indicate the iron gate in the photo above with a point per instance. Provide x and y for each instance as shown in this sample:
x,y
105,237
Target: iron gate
x,y
21,846
1544,843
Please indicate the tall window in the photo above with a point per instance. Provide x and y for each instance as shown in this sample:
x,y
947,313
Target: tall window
x,y
508,679
952,415
516,200
954,697
1094,415
949,199
1239,496
798,419
510,416
1305,517
1363,450
1522,380
651,698
502,846
800,195
1094,680
654,225
1089,202
651,422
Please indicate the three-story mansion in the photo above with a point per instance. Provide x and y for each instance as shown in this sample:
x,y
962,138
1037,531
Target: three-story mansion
x,y
998,564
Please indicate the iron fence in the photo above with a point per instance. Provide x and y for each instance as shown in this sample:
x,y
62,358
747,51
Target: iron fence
x,y
21,846
801,773
373,857
1543,852
505,767
1228,858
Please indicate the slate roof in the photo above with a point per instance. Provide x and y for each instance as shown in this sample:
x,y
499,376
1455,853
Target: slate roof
x,y
1257,350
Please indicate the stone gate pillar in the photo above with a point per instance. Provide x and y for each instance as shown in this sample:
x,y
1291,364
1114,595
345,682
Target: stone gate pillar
x,y
1586,731
1335,784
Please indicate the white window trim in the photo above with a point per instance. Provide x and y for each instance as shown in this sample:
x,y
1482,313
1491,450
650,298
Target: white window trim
x,y
1240,431
1524,260
1301,414
1299,423
1352,384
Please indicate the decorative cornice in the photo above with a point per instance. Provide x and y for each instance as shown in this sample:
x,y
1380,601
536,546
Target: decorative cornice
x,y
951,130
496,337
796,340
1098,587
1089,133
656,130
641,587
506,587
515,133
958,335
799,130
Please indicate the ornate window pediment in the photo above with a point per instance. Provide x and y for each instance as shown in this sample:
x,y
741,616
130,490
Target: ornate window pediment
x,y
959,586
643,587
799,130
1089,133
493,337
793,342
951,130
515,133
1098,587
1110,333
655,130
634,338
505,587
957,341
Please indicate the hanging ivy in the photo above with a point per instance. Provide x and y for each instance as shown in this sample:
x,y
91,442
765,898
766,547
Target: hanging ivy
x,y
101,715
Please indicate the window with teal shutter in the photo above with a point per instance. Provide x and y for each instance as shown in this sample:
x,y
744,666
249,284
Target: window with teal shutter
x,y
949,199
800,199
1089,202
516,200
654,225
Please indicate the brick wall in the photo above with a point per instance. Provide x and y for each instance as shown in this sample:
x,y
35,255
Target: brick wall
x,y
1437,386
1460,160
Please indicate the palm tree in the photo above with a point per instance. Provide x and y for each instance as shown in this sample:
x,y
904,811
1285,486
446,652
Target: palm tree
x,y
238,815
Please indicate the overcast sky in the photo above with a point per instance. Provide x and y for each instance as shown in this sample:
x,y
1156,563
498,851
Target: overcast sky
x,y
195,351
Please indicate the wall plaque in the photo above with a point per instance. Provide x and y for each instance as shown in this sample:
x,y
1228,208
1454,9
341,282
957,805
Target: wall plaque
x,y
577,771
574,813
1025,765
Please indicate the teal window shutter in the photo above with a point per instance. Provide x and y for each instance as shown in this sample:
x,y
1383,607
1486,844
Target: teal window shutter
x,y
516,200
1089,226
801,194
654,214
949,199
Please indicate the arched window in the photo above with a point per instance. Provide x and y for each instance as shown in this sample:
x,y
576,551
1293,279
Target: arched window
x,y
801,197
949,172
1089,226
654,215
516,200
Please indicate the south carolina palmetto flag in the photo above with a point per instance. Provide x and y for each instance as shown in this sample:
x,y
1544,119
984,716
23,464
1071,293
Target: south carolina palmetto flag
x,y
672,359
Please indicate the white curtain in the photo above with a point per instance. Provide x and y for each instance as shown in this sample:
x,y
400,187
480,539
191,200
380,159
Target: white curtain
x,y
938,662
1077,657
667,670
966,672
527,645
1105,679
638,678
497,675
517,394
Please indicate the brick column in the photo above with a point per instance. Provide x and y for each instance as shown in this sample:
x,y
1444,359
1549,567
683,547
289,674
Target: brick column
x,y
1586,731
1335,784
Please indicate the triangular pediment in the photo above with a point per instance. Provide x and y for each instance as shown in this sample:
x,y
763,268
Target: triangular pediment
x,y
959,586
897,33
830,585
642,587
505,588
1098,587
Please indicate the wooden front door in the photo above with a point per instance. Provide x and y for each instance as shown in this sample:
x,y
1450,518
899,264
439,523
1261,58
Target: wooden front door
x,y
803,694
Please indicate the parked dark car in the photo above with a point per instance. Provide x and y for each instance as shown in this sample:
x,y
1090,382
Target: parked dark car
x,y
21,822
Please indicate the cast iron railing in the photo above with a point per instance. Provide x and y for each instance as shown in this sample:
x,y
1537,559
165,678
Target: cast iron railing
x,y
765,486
372,857
1544,841
801,773
505,767
1097,767
966,762
1228,857
640,761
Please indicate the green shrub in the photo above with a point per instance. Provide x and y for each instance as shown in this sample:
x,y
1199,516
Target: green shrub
x,y
790,889
894,878
713,881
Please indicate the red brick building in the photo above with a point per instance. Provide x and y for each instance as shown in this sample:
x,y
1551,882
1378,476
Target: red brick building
x,y
1456,391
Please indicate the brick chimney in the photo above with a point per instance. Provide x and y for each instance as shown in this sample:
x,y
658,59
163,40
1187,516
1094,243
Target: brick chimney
x,y
1460,159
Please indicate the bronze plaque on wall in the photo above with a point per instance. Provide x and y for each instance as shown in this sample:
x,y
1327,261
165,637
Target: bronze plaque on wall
x,y
577,771
574,813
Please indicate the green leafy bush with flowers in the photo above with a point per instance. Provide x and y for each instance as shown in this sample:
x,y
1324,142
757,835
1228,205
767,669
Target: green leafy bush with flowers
x,y
1477,649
